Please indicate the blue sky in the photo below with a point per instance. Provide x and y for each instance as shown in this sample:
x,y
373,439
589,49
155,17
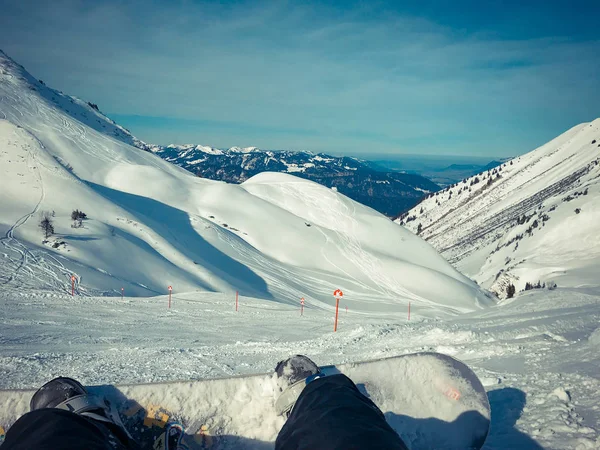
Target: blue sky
x,y
413,77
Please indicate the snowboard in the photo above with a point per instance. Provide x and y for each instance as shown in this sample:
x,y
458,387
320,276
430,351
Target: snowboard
x,y
431,400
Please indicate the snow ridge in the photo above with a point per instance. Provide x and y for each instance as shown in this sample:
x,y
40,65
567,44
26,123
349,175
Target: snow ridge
x,y
532,219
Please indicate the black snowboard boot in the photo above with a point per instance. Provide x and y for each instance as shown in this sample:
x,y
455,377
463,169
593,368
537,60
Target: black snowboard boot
x,y
292,375
171,438
70,395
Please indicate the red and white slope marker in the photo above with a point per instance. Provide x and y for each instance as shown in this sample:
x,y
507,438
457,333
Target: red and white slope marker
x,y
337,294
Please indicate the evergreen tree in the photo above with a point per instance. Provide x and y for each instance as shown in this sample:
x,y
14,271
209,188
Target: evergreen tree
x,y
46,225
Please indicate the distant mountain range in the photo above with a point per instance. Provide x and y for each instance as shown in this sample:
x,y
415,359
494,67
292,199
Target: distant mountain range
x,y
388,192
442,170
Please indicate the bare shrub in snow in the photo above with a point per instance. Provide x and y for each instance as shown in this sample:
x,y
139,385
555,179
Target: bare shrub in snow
x,y
529,286
46,225
78,217
510,291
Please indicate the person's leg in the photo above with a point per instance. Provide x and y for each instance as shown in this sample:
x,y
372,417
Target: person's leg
x,y
65,417
57,429
332,414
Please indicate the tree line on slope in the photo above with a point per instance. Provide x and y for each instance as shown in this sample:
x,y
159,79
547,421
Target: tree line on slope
x,y
47,221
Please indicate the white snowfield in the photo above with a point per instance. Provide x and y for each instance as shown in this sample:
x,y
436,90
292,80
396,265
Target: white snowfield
x,y
539,221
274,239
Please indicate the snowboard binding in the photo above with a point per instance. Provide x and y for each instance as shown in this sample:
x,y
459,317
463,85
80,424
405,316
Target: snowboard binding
x,y
171,438
70,395
293,375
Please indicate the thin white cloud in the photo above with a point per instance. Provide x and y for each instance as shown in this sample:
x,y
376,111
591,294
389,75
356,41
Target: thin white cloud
x,y
289,66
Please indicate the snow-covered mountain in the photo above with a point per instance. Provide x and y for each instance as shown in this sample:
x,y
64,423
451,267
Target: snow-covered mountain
x,y
385,191
152,224
533,219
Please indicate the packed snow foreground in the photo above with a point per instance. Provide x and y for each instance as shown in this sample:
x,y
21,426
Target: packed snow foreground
x,y
274,239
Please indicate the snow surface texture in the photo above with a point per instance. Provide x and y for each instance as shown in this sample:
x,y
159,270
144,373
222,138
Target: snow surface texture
x,y
534,218
153,225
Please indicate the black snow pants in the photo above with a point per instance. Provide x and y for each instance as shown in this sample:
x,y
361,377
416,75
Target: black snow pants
x,y
57,429
330,414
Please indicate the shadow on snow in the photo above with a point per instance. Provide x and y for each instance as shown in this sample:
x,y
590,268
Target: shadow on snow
x,y
507,407
145,426
174,226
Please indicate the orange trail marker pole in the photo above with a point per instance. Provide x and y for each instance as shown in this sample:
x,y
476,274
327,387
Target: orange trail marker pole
x,y
337,304
73,285
170,290
337,294
302,306
122,293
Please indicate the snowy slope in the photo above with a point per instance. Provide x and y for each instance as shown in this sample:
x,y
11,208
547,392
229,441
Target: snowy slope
x,y
533,219
152,224
85,113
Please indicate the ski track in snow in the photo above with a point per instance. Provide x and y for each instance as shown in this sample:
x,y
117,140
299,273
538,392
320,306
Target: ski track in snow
x,y
42,267
347,243
34,267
